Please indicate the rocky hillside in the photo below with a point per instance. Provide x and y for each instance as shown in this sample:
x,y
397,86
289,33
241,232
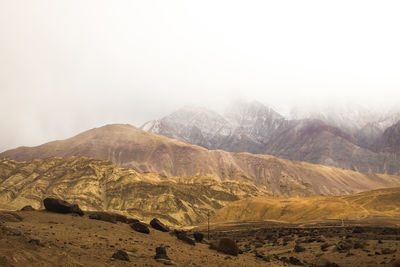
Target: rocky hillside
x,y
390,140
381,205
344,137
99,185
130,147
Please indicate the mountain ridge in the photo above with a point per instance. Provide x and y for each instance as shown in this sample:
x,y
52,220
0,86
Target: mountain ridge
x,y
130,147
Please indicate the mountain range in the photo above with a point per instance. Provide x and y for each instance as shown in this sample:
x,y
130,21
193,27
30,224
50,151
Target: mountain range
x,y
99,185
349,137
130,147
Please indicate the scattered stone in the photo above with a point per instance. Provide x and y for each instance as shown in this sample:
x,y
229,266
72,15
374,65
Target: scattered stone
x,y
228,246
298,248
358,230
140,227
121,255
28,208
161,253
61,206
156,224
183,237
198,236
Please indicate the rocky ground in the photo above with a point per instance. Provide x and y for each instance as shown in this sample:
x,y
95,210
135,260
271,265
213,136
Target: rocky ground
x,y
323,244
42,238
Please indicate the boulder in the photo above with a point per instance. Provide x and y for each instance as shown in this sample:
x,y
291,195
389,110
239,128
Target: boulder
x,y
183,237
61,206
198,236
121,255
161,253
131,220
140,227
108,217
28,208
156,224
228,246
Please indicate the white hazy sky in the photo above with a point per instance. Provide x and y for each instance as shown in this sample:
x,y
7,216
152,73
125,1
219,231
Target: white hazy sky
x,y
67,66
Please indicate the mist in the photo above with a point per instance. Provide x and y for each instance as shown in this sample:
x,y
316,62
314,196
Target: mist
x,y
68,66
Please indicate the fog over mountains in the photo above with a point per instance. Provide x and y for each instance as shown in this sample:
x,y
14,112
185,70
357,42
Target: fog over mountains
x,y
346,136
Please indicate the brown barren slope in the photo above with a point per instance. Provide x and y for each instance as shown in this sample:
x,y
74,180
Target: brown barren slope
x,y
377,205
130,147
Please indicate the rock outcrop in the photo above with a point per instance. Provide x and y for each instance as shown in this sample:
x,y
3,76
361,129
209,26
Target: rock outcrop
x,y
61,206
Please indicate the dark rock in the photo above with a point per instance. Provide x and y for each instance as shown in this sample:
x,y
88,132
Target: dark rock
x,y
298,248
131,220
359,245
259,254
140,227
324,262
344,245
325,246
156,224
295,261
183,237
266,258
35,242
161,253
121,255
108,217
28,208
358,230
388,251
228,246
61,206
198,236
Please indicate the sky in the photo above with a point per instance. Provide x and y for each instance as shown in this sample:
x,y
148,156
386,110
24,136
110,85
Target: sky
x,y
68,66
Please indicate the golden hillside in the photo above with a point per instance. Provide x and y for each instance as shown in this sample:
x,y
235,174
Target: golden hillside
x,y
130,147
100,185
371,205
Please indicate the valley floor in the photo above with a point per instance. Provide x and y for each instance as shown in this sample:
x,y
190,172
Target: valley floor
x,y
40,238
